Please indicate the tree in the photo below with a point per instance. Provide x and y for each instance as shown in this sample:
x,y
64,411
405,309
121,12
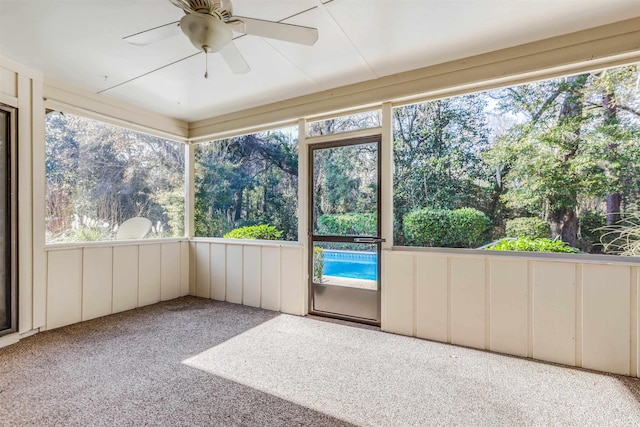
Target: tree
x,y
614,99
247,180
437,149
102,174
569,150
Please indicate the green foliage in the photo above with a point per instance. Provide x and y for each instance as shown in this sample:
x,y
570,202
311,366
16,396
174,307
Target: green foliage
x,y
349,224
437,162
258,232
525,244
591,229
345,179
96,170
460,228
318,264
247,180
531,227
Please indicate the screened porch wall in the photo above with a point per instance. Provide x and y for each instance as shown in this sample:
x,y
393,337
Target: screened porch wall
x,y
261,274
576,313
87,282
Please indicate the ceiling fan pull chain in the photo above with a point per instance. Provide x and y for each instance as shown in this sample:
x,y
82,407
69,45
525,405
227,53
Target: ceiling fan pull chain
x,y
206,65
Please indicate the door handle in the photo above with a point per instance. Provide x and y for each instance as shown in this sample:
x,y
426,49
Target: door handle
x,y
368,240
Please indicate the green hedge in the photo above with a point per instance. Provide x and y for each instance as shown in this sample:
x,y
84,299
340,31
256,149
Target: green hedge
x,y
531,227
460,228
351,224
258,232
525,244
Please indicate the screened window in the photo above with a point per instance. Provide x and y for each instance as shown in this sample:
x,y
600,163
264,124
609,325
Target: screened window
x,y
350,122
247,186
99,175
550,166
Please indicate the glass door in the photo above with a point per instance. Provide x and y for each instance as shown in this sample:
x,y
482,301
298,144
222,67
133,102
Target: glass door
x,y
344,229
8,287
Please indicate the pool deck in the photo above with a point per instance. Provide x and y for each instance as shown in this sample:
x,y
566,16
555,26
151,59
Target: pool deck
x,y
348,282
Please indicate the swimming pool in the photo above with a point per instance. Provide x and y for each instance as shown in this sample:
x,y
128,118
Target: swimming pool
x,y
351,264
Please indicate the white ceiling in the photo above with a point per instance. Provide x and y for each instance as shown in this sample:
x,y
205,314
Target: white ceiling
x,y
80,42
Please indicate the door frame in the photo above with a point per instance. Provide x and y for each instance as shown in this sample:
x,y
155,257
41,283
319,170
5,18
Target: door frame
x,y
11,217
333,143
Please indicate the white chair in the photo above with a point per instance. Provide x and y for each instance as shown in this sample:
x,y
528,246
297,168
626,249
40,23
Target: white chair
x,y
133,228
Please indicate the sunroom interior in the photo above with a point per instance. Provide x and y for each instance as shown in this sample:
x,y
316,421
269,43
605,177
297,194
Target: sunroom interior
x,y
579,310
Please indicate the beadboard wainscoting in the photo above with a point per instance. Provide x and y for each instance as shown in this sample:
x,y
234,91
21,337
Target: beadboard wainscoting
x,y
577,313
92,281
259,274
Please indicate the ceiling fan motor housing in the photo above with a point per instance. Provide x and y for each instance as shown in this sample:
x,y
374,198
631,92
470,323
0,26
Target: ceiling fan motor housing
x,y
206,32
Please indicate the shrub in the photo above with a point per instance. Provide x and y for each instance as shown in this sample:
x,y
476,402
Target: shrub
x,y
318,264
525,244
460,228
531,227
591,229
354,224
259,232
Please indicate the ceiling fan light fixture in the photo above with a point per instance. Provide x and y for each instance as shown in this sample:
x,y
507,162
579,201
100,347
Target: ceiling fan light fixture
x,y
206,32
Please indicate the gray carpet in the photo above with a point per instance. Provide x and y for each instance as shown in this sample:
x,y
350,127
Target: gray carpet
x,y
199,362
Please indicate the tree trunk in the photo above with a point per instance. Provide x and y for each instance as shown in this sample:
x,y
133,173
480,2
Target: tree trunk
x,y
564,224
237,206
564,221
613,200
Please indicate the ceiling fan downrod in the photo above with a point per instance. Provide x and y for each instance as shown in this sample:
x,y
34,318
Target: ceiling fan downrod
x,y
206,64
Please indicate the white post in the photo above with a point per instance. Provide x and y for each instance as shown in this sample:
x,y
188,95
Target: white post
x,y
303,214
386,209
189,190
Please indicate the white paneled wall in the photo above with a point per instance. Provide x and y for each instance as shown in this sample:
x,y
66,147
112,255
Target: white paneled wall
x,y
266,275
575,313
85,283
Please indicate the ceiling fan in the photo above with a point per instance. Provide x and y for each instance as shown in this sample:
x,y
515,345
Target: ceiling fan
x,y
209,25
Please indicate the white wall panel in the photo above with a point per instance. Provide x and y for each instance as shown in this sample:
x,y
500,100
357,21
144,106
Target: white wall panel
x,y
468,301
203,284
398,296
171,260
218,264
503,304
28,296
64,288
509,306
270,277
234,273
36,184
251,276
605,318
125,278
8,82
97,289
291,281
554,312
184,268
432,297
149,274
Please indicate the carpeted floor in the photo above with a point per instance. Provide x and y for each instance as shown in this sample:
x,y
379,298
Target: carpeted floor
x,y
197,362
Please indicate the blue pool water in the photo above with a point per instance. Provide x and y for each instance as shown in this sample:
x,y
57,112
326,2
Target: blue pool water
x,y
351,264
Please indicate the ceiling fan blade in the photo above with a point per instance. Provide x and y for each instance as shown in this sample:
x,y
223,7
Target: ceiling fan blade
x,y
277,30
153,35
234,59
